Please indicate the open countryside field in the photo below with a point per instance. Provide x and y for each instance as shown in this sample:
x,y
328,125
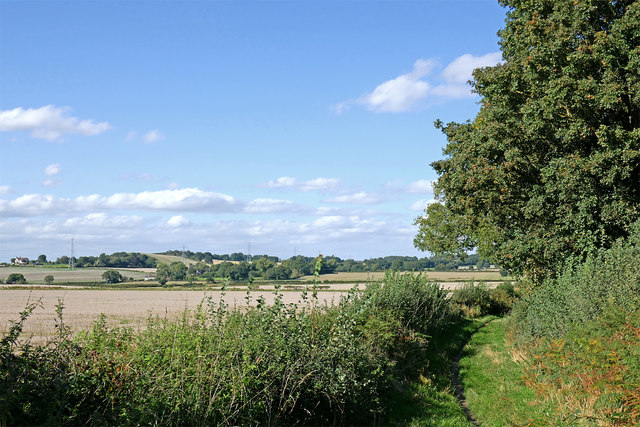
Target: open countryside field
x,y
168,259
438,276
121,307
63,275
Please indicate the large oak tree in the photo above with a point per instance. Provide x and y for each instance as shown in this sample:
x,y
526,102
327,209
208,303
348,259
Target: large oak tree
x,y
549,169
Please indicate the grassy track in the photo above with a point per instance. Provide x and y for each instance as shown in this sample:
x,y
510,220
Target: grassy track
x,y
492,373
431,401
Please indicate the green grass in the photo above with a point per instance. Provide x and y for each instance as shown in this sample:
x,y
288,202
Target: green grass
x,y
492,372
429,399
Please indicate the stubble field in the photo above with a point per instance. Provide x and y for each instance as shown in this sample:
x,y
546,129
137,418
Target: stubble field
x,y
121,307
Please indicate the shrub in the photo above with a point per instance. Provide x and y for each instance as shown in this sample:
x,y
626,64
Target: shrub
x,y
420,305
473,300
48,279
16,278
502,298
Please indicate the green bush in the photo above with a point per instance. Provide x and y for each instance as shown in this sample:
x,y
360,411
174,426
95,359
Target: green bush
x,y
16,278
478,300
582,292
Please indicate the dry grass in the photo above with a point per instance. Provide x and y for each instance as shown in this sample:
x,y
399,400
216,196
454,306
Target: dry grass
x,y
62,275
439,276
121,307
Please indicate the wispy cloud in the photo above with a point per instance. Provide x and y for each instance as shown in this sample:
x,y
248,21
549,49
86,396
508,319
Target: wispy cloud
x,y
421,205
4,190
407,91
153,136
422,186
51,171
360,198
272,206
318,184
49,122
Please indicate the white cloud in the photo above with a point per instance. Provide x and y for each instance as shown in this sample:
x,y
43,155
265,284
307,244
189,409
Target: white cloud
x,y
402,93
424,186
272,206
461,69
48,122
405,92
187,199
421,205
153,136
53,169
4,190
459,72
283,181
178,221
356,198
318,184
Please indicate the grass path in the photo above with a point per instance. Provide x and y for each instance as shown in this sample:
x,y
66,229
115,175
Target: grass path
x,y
492,373
431,400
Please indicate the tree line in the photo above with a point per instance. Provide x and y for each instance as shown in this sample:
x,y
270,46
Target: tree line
x,y
115,260
272,268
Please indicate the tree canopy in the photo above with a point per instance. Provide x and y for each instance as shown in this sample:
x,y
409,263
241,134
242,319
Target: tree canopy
x,y
549,169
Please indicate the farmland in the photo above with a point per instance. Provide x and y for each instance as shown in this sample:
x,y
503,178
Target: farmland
x,y
437,276
121,307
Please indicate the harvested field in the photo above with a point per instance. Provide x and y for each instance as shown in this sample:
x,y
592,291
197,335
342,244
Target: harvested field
x,y
63,275
438,276
121,307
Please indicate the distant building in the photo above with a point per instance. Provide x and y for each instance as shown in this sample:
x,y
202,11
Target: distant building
x,y
20,261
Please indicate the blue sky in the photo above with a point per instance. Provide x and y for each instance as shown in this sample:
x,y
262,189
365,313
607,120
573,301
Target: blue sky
x,y
301,127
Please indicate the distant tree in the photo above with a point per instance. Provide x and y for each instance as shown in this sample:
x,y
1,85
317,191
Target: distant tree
x,y
48,279
112,276
240,271
42,259
162,273
280,272
63,260
263,264
16,278
177,270
237,256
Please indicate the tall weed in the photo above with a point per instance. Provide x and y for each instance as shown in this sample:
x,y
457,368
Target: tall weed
x,y
582,292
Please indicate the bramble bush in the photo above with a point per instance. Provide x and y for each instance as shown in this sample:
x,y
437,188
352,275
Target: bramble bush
x,y
271,364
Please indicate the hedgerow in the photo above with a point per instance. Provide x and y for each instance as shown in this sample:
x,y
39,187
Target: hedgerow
x,y
271,364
